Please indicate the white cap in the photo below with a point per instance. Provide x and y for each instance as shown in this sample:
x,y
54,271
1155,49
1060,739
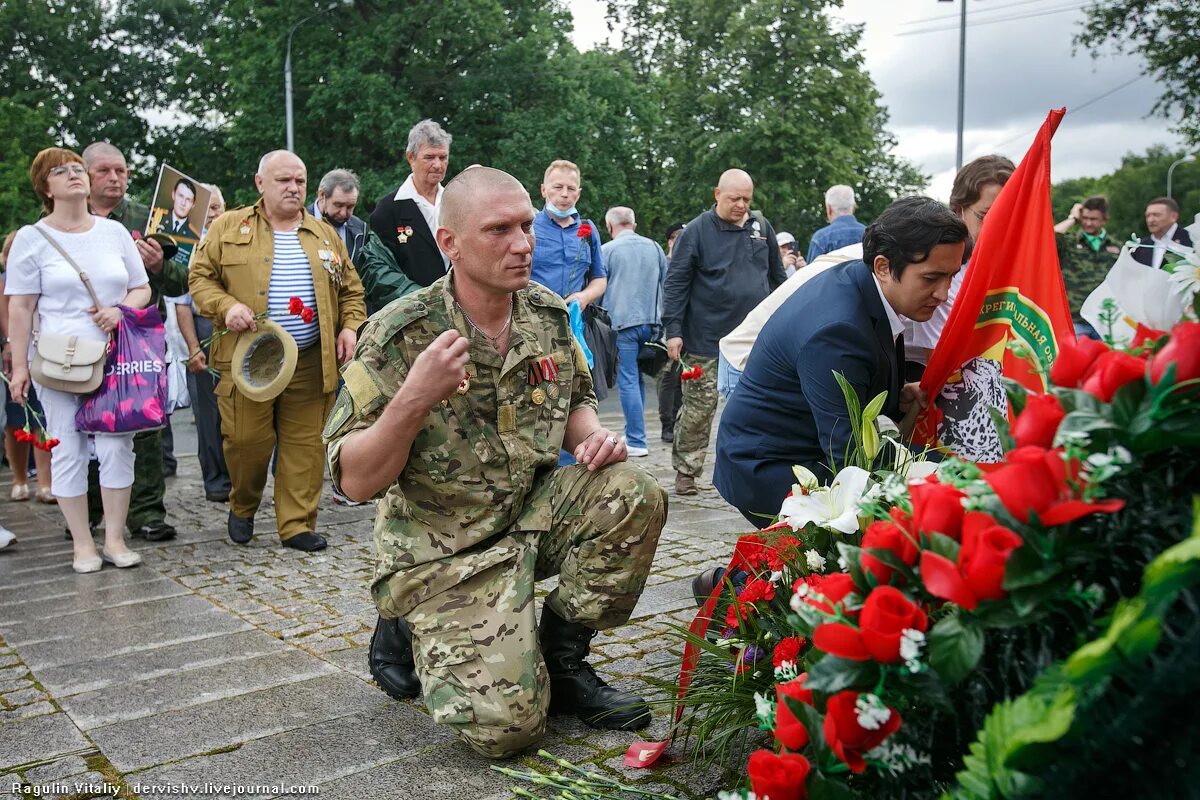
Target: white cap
x,y
784,238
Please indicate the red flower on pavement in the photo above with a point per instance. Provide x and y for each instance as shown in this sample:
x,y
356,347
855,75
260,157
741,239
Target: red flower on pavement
x,y
307,314
979,573
585,231
778,776
1039,421
787,650
885,615
1182,350
1033,480
1074,360
790,732
845,734
295,305
1110,372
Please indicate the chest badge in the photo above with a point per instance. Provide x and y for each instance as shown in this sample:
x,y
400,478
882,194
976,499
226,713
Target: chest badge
x,y
403,232
464,385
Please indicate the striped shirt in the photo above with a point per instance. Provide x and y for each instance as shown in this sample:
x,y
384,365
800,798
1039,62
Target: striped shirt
x,y
291,276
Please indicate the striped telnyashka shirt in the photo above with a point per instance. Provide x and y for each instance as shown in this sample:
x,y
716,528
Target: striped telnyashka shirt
x,y
291,276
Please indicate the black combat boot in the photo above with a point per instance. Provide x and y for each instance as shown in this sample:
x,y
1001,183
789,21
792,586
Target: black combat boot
x,y
391,659
575,688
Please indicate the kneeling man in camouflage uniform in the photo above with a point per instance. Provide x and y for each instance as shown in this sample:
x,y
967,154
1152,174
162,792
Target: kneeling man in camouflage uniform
x,y
452,415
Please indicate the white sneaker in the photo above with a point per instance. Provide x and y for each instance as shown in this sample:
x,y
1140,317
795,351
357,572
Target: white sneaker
x,y
7,537
636,452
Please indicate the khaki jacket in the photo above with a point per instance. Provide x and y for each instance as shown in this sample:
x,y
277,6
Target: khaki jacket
x,y
233,265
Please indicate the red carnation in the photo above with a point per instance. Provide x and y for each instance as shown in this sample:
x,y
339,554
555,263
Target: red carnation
x,y
788,649
778,776
737,612
847,737
790,732
307,314
786,549
295,305
1039,421
757,590
979,573
585,231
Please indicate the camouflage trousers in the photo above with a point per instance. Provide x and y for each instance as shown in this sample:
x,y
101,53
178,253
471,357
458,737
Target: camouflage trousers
x,y
149,486
694,426
476,645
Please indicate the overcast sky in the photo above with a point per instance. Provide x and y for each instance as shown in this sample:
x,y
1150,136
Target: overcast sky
x,y
1019,65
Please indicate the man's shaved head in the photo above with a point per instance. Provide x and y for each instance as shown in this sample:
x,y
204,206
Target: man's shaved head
x,y
738,179
97,150
459,200
734,193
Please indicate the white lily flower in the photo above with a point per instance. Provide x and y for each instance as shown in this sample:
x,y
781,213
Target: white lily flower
x,y
834,507
805,478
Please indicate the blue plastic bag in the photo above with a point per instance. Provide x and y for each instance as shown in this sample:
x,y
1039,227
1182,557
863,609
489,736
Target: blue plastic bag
x,y
577,329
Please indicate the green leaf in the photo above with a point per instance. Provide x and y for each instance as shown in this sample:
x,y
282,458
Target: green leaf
x,y
832,675
813,722
955,647
821,787
1127,402
1026,567
853,558
943,545
892,560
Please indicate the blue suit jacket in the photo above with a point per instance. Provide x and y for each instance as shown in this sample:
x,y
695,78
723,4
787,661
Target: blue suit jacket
x,y
788,408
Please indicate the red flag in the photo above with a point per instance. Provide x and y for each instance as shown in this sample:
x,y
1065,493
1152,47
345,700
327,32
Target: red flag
x,y
1012,291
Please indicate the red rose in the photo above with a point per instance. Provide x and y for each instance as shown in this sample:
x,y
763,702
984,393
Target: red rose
x,y
1182,350
829,590
979,573
1033,480
295,305
307,314
788,649
1110,372
887,535
585,231
790,732
885,615
937,508
1073,361
848,739
779,777
1038,423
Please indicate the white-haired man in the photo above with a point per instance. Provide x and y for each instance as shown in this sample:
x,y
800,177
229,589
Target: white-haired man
x,y
254,260
406,218
633,297
843,229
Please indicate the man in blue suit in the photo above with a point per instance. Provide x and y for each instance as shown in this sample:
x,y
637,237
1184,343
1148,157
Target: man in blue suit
x,y
789,408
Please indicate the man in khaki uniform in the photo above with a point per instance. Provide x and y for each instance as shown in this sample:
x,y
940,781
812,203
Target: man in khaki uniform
x,y
252,260
454,410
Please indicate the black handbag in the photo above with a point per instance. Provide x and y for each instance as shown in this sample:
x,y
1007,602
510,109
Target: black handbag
x,y
652,357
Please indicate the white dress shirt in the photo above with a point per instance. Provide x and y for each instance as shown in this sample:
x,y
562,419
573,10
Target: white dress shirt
x,y
408,191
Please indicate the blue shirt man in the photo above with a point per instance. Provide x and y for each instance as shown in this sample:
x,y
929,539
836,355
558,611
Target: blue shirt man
x,y
637,268
843,229
563,261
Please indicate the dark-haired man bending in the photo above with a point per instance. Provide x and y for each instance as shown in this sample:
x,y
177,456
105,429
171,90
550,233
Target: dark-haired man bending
x,y
789,408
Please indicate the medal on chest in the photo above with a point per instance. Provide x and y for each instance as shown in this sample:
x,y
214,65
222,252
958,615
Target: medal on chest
x,y
331,262
403,232
543,371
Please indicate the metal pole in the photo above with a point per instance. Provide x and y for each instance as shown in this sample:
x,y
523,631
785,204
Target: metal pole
x,y
1171,170
962,82
287,94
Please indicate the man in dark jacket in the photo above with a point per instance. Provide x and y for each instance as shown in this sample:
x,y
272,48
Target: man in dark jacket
x,y
725,262
337,195
406,220
1162,220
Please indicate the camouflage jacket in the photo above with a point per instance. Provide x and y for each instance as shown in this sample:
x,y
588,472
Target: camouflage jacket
x,y
479,454
383,280
172,279
1082,267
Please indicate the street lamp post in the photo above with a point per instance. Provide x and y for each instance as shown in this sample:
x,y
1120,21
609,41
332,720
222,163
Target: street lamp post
x,y
1170,170
962,79
287,78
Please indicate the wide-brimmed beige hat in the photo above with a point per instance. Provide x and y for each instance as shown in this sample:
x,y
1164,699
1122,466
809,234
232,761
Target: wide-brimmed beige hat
x,y
264,361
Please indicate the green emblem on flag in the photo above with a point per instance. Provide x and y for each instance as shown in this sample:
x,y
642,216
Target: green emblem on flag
x,y
1007,306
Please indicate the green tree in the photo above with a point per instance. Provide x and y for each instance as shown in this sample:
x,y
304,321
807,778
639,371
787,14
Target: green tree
x,y
23,132
775,87
1163,32
71,60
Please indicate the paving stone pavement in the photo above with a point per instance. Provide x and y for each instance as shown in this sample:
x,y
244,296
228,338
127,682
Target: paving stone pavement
x,y
246,666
